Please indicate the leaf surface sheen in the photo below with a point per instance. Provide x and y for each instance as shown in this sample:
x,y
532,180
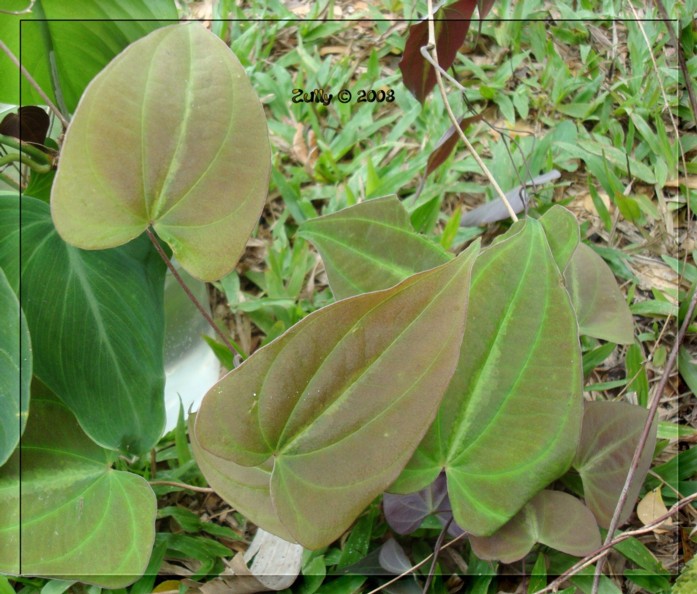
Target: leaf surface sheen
x,y
170,134
339,402
370,246
510,420
97,326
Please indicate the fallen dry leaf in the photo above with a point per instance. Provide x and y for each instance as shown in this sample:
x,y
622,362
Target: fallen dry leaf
x,y
651,507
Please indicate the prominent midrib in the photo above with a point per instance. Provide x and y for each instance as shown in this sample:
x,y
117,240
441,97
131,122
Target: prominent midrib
x,y
477,395
288,445
179,152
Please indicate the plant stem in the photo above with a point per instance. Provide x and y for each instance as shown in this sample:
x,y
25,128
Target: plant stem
x,y
644,435
24,147
433,60
25,160
188,292
34,84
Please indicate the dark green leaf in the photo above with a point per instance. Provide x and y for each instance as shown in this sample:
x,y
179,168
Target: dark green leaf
x,y
97,326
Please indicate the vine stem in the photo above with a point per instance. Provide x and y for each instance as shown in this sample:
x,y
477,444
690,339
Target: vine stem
x,y
188,292
25,160
33,83
433,60
644,436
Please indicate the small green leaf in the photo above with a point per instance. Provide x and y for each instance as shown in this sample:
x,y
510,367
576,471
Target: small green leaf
x,y
73,506
636,374
370,246
170,135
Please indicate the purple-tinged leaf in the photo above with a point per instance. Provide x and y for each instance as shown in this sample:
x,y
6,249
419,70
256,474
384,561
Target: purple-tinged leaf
x,y
404,513
335,407
392,557
447,143
451,25
552,518
563,236
609,436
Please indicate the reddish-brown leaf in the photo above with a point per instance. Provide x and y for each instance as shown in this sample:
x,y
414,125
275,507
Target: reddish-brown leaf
x,y
451,25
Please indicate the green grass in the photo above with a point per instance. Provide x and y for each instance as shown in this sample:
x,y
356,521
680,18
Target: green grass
x,y
553,104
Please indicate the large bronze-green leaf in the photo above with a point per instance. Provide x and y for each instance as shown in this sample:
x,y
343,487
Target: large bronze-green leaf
x,y
335,407
510,420
609,437
552,518
96,322
170,134
247,486
370,246
75,40
601,309
15,369
79,519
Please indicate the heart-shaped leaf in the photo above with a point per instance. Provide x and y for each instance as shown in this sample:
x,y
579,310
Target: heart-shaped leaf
x,y
335,406
170,135
370,246
601,309
80,519
552,518
15,370
516,391
75,40
247,486
609,437
405,513
97,325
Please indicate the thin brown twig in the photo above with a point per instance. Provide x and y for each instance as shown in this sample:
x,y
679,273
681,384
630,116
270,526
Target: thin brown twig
x,y
602,551
182,486
433,60
33,83
644,435
188,292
